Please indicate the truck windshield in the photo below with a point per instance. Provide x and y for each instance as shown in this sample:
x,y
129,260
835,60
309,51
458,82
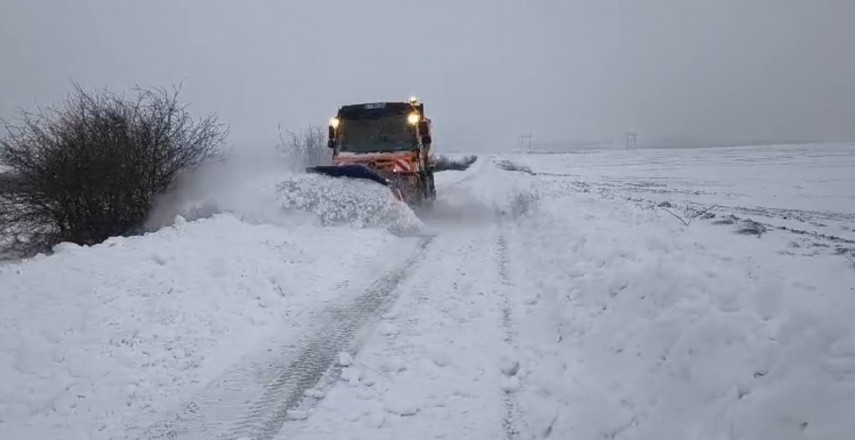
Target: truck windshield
x,y
388,133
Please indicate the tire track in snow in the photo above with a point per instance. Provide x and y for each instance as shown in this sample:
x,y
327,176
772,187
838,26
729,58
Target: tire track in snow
x,y
511,420
435,369
267,415
263,414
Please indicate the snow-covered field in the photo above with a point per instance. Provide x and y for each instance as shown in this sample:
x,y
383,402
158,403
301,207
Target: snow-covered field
x,y
807,189
671,331
665,294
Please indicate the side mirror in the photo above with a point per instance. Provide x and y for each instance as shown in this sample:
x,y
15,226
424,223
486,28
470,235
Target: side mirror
x,y
426,140
331,132
424,129
330,144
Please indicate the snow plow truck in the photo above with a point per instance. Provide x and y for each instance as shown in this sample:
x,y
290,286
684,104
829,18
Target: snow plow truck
x,y
385,142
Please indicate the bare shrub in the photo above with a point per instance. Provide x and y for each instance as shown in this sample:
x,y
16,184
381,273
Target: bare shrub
x,y
444,163
308,146
690,213
91,168
7,182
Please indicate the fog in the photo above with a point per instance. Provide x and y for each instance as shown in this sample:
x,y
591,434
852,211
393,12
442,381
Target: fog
x,y
676,72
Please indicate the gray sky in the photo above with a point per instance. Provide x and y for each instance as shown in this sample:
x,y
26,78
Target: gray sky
x,y
678,70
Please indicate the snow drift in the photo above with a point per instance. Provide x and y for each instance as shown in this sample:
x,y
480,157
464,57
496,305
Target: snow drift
x,y
99,341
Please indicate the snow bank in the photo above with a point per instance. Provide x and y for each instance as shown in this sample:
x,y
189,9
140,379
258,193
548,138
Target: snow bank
x,y
641,328
98,341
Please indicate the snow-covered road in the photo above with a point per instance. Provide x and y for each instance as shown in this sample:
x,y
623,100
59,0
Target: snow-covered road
x,y
430,368
545,296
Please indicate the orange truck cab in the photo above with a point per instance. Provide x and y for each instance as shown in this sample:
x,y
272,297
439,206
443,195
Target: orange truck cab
x,y
388,141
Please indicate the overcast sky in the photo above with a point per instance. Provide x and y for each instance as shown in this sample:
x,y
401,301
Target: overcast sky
x,y
488,70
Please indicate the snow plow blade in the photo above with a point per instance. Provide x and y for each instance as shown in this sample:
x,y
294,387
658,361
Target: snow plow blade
x,y
352,171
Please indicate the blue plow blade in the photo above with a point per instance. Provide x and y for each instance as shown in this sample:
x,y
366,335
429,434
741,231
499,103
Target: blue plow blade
x,y
352,171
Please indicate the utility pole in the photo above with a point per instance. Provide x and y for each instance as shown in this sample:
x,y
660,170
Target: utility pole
x,y
525,142
631,140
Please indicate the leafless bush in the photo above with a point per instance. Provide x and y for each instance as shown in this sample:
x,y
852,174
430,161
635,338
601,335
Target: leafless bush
x,y
7,182
444,163
689,213
309,146
90,168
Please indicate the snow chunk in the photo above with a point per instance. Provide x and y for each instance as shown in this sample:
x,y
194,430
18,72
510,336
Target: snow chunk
x,y
315,393
158,259
345,359
440,358
401,402
531,299
509,365
388,329
375,420
298,415
66,247
350,375
394,365
511,385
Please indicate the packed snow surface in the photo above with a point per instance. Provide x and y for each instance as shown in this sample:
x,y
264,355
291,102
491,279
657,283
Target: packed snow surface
x,y
665,294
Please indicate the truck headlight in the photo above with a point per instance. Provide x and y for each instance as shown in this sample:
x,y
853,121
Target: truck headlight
x,y
413,118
